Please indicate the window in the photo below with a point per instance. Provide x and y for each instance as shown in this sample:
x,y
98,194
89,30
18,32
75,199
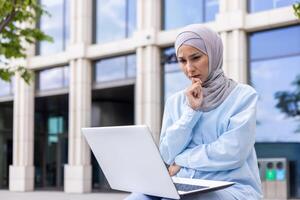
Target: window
x,y
178,13
113,19
116,68
54,78
275,73
6,141
6,88
56,25
259,5
174,79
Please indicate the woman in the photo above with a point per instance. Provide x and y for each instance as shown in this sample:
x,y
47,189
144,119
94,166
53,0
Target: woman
x,y
208,129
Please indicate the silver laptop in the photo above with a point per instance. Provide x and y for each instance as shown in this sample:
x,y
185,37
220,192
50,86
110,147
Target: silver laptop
x,y
131,162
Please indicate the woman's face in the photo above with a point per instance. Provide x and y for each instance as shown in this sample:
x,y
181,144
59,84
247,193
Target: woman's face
x,y
193,62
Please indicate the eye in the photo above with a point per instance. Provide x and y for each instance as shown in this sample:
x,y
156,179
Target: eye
x,y
196,57
181,61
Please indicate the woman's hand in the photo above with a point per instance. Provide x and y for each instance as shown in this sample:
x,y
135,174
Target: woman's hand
x,y
173,169
194,94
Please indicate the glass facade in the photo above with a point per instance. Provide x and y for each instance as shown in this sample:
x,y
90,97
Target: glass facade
x,y
6,88
178,13
6,134
57,25
51,141
53,78
116,68
174,79
113,20
275,73
259,5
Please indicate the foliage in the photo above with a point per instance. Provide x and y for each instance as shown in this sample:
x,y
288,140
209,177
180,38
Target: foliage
x,y
17,27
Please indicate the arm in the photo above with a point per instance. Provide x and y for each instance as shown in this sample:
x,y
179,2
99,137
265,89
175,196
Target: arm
x,y
175,136
231,149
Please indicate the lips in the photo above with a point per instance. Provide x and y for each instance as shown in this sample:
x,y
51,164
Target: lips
x,y
196,76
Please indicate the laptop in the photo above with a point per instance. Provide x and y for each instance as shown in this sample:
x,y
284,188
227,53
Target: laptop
x,y
131,161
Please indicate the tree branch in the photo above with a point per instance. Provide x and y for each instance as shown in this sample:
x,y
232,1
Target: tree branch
x,y
9,18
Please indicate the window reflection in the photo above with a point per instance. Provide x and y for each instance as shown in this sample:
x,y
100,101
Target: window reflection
x,y
174,79
178,13
55,78
5,88
50,141
274,43
6,135
116,68
268,78
57,26
114,19
259,5
131,65
274,69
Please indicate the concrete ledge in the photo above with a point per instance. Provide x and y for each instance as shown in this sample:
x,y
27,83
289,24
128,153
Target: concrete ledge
x,y
78,178
21,178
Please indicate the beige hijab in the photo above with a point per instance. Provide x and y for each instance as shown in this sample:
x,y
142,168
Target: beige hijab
x,y
217,86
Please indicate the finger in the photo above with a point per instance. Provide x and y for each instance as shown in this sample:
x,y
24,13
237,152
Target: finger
x,y
196,80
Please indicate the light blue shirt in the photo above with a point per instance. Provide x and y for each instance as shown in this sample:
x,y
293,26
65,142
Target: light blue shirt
x,y
216,145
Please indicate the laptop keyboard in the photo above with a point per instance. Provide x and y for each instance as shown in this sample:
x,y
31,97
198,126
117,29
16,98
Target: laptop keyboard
x,y
187,187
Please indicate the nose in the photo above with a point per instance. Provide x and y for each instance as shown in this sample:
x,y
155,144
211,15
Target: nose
x,y
190,67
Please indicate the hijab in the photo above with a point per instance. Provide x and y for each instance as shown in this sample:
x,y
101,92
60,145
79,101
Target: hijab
x,y
217,86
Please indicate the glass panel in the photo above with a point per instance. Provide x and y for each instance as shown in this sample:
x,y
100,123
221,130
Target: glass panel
x,y
51,141
52,26
131,12
175,16
110,25
110,69
5,88
54,78
66,26
275,74
114,25
170,60
259,5
175,82
178,13
66,72
269,78
274,43
211,9
174,79
131,66
6,132
116,68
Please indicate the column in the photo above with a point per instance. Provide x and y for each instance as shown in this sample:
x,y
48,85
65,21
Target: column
x,y
78,171
148,80
231,22
21,172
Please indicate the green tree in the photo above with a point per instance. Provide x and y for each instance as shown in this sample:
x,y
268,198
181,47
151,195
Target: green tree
x,y
17,26
296,7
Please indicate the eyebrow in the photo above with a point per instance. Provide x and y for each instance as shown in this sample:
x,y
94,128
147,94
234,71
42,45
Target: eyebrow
x,y
192,55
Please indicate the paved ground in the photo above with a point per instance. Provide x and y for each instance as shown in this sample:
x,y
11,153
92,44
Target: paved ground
x,y
49,195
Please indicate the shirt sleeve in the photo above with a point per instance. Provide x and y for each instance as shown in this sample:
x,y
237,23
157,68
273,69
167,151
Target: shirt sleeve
x,y
176,135
231,149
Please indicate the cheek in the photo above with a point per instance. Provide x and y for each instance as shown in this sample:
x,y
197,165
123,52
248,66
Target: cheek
x,y
183,69
203,66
